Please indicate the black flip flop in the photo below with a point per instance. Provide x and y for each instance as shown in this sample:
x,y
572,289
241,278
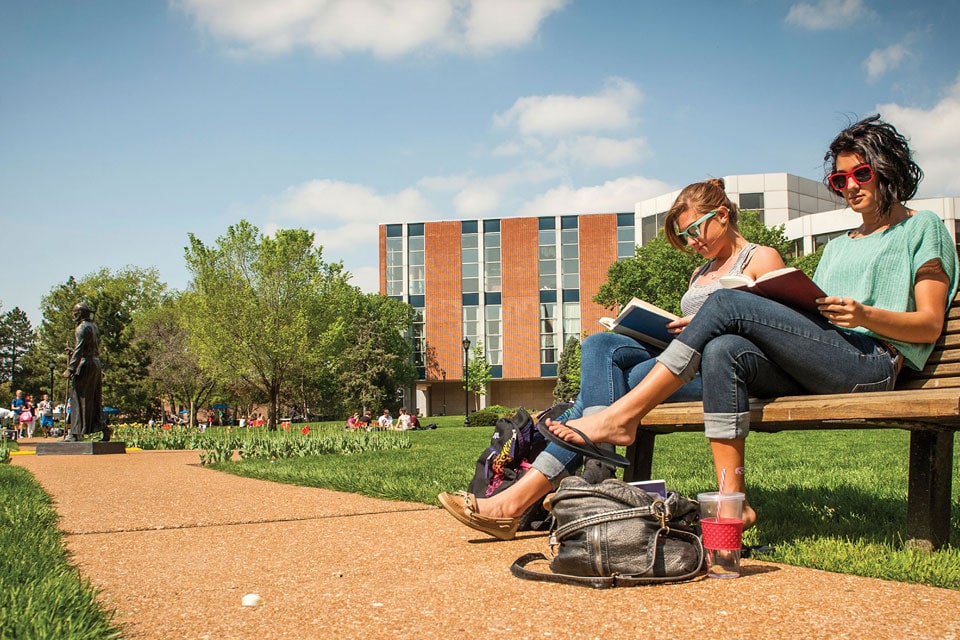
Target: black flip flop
x,y
588,448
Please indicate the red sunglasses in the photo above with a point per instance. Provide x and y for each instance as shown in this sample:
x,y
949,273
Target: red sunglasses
x,y
862,174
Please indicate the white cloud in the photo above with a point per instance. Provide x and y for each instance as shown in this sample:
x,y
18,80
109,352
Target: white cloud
x,y
558,115
617,195
365,277
506,23
386,28
828,14
477,200
343,201
880,61
934,137
475,196
600,152
345,219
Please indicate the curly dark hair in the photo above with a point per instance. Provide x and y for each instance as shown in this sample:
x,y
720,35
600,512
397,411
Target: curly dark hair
x,y
887,151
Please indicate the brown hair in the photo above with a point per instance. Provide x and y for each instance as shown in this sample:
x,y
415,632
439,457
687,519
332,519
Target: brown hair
x,y
702,197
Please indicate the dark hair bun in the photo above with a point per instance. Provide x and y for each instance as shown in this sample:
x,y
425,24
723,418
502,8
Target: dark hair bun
x,y
717,182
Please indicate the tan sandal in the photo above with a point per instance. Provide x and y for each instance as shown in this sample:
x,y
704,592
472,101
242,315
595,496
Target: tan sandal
x,y
462,506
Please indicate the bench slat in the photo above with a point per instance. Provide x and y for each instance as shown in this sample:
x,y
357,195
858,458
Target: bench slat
x,y
940,405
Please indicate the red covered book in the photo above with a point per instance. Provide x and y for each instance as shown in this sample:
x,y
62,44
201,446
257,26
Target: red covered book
x,y
788,286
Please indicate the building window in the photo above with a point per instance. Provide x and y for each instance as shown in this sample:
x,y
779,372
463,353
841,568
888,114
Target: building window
x,y
571,321
471,325
648,229
491,262
824,238
754,202
417,338
796,248
569,259
395,266
547,251
626,236
415,268
470,258
493,332
548,334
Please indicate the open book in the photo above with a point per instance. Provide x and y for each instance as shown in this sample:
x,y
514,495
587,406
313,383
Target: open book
x,y
788,286
642,321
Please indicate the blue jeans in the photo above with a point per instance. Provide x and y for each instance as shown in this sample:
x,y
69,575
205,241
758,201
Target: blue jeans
x,y
746,345
610,365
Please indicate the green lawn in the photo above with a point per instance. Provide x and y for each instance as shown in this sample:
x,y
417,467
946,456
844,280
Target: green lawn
x,y
41,594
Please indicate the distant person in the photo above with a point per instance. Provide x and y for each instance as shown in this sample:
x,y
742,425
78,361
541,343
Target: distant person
x,y
27,416
385,421
403,420
84,371
16,405
366,420
45,414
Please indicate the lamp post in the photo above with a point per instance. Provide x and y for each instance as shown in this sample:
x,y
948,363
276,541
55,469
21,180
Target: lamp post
x,y
466,390
51,365
443,373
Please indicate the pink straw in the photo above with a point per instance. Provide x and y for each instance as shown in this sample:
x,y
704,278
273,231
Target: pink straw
x,y
723,479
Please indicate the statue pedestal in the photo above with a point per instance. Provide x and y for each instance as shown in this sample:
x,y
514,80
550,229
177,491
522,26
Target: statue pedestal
x,y
80,448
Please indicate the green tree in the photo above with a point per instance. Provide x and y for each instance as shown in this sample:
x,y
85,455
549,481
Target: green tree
x,y
16,342
808,263
568,372
479,372
116,299
259,307
372,360
175,372
657,273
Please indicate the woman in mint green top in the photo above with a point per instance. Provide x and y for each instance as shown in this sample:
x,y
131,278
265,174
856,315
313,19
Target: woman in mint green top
x,y
889,283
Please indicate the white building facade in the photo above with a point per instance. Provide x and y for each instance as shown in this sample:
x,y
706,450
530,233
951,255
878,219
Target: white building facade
x,y
811,213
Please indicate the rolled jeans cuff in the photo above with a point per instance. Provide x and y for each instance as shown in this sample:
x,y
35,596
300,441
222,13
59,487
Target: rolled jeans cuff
x,y
726,426
553,469
681,359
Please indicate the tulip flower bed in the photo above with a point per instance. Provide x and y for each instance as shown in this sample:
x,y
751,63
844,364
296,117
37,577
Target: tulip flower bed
x,y
219,444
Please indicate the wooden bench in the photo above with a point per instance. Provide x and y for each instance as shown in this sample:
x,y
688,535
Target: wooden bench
x,y
926,403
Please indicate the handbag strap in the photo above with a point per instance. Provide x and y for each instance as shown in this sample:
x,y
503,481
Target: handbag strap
x,y
518,568
610,516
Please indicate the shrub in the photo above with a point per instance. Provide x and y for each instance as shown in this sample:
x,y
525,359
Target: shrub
x,y
485,417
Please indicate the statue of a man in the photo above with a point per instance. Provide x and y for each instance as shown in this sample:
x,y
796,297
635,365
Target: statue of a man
x,y
86,398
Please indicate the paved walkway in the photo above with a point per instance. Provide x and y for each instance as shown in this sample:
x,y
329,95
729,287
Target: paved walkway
x,y
175,547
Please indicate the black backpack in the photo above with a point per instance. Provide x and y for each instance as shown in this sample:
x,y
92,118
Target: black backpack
x,y
513,446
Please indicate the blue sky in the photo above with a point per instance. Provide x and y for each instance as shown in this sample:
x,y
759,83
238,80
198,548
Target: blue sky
x,y
124,126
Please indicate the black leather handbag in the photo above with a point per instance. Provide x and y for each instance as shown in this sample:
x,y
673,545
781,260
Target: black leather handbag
x,y
613,534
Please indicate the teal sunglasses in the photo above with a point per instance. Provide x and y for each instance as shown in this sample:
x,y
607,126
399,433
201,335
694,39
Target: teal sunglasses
x,y
693,231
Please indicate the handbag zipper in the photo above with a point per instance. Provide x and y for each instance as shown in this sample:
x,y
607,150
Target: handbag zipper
x,y
597,551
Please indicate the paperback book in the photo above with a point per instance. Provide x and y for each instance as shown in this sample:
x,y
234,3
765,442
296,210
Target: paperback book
x,y
642,321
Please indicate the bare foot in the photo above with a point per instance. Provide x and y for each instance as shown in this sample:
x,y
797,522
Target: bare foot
x,y
749,517
599,427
